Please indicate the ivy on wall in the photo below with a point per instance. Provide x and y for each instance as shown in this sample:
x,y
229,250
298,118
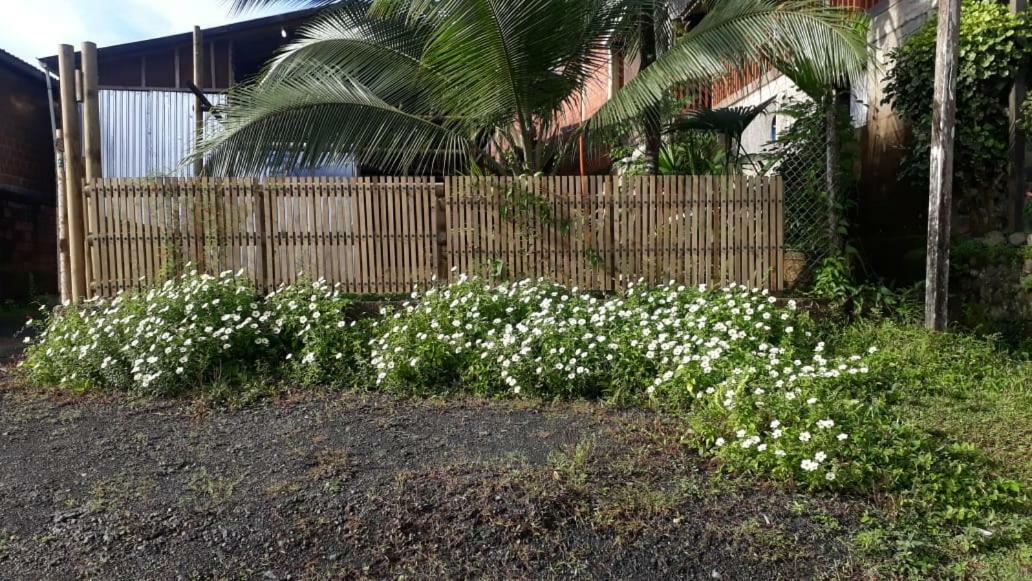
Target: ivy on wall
x,y
994,44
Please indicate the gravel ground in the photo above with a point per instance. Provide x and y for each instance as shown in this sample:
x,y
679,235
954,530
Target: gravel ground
x,y
362,485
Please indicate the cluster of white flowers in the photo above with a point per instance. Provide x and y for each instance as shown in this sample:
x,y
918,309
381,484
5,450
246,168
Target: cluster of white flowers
x,y
183,331
534,336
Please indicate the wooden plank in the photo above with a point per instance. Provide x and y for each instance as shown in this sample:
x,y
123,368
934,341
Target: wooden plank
x,y
390,215
157,214
147,229
296,256
406,214
359,191
137,262
335,224
373,199
418,234
106,227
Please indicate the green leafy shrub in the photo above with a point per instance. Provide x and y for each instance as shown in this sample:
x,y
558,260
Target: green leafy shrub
x,y
323,344
428,344
993,45
194,329
194,332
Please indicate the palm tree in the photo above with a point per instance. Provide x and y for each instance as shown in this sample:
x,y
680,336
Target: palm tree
x,y
481,85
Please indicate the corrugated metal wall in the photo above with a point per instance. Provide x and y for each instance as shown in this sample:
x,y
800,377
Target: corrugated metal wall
x,y
147,133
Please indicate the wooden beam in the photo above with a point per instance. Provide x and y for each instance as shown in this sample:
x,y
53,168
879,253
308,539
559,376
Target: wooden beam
x,y
198,81
206,105
73,171
1016,157
213,81
940,187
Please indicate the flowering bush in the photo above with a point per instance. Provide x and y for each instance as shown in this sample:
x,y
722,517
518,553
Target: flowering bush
x,y
196,328
189,331
536,337
323,344
767,396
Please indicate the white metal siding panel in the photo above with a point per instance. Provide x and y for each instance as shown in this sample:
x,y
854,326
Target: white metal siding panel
x,y
147,133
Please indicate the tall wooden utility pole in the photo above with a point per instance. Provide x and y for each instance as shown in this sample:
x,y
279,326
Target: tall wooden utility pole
x,y
1016,159
198,80
91,141
940,187
73,171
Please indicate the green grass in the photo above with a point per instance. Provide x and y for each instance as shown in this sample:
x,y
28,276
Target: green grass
x,y
960,390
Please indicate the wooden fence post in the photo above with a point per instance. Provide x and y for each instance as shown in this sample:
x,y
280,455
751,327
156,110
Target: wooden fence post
x,y
442,233
91,140
1016,157
73,171
940,189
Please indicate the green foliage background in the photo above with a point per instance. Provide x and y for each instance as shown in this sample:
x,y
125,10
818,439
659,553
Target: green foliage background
x,y
993,45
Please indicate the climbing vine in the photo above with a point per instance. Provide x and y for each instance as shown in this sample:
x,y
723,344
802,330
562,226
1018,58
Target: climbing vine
x,y
994,44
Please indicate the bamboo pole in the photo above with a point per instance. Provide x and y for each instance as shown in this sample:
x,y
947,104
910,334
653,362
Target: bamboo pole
x,y
64,279
73,171
940,190
91,142
91,111
198,79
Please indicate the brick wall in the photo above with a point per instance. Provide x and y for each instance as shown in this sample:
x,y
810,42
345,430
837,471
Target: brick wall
x,y
28,261
26,148
28,236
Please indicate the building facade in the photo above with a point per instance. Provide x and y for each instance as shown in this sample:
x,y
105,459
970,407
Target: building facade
x,y
28,231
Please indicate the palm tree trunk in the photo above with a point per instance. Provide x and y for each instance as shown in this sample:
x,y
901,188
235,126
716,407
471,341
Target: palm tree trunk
x,y
653,135
833,151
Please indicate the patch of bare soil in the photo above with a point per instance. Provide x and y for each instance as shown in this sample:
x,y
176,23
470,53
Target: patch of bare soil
x,y
362,485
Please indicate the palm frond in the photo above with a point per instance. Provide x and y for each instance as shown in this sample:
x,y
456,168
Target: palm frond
x,y
726,120
739,32
310,120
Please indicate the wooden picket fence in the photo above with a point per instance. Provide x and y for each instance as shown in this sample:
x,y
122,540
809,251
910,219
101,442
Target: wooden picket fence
x,y
383,235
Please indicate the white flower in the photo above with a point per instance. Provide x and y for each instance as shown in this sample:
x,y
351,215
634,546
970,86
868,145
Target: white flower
x,y
719,442
804,437
842,437
829,476
809,465
820,456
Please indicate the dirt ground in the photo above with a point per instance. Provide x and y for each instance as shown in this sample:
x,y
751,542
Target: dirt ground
x,y
365,486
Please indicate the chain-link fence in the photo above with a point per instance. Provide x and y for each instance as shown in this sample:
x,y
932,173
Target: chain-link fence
x,y
800,157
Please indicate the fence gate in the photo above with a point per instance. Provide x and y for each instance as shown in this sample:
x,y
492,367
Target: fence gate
x,y
383,235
